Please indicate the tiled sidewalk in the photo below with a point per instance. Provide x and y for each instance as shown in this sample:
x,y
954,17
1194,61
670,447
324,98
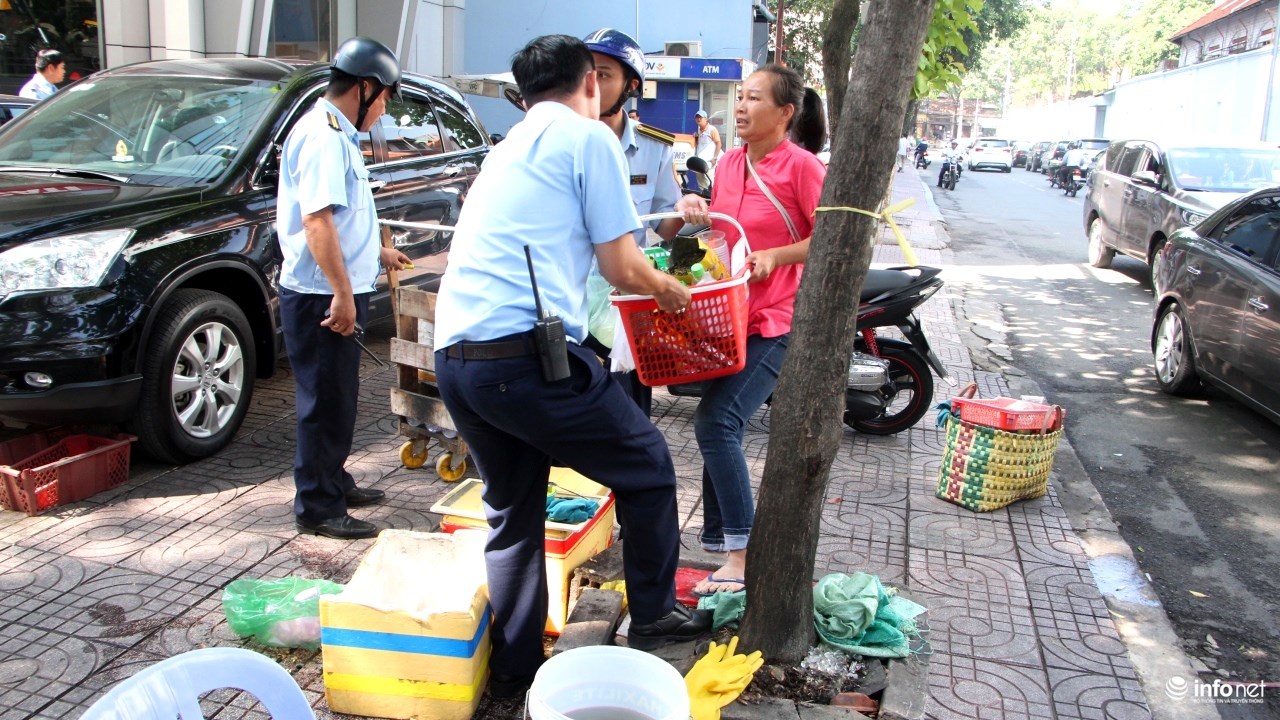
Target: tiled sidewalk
x,y
95,591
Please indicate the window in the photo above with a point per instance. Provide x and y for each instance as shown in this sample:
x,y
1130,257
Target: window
x,y
299,29
1252,229
460,133
1128,164
410,129
1114,153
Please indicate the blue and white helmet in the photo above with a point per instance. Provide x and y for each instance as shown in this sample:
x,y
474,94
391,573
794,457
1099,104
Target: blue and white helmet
x,y
619,45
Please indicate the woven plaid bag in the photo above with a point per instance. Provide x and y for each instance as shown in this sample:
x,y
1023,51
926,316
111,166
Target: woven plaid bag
x,y
985,469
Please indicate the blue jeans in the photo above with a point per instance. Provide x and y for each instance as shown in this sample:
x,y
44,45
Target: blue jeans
x,y
728,508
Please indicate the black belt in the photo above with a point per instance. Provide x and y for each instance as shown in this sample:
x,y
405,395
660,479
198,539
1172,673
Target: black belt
x,y
491,349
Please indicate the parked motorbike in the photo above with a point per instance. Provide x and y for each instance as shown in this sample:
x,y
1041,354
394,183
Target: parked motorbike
x,y
890,383
701,171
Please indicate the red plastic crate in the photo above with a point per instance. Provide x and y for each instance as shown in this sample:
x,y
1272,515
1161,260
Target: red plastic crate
x,y
72,469
1008,414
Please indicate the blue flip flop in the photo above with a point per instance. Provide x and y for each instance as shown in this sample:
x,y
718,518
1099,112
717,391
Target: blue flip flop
x,y
711,578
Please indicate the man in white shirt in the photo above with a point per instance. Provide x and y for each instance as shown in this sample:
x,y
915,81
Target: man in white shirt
x,y
1075,159
50,70
904,146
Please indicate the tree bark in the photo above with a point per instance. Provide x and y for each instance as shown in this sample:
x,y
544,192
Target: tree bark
x,y
836,58
806,413
909,119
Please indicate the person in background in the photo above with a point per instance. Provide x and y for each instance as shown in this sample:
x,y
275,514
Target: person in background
x,y
634,115
556,189
949,155
50,70
328,230
771,186
649,152
904,147
706,140
1075,159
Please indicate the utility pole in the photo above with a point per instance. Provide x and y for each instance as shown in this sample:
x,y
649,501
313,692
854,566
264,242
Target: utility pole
x,y
1271,76
777,37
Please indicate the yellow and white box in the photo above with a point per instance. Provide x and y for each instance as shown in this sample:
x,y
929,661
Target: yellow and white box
x,y
409,636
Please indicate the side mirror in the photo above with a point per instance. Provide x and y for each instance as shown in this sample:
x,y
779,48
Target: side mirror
x,y
697,164
1146,177
269,170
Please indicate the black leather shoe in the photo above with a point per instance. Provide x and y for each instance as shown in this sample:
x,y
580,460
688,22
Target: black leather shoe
x,y
679,624
360,497
342,528
503,687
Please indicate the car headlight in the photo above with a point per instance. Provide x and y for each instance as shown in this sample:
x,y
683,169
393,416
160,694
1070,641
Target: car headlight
x,y
68,261
1190,217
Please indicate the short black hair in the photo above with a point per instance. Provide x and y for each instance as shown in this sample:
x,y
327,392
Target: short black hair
x,y
551,66
47,57
341,82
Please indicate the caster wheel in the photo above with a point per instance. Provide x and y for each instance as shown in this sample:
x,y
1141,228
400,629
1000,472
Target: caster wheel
x,y
413,454
447,471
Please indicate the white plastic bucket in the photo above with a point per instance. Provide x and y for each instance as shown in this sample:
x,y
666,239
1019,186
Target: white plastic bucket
x,y
607,682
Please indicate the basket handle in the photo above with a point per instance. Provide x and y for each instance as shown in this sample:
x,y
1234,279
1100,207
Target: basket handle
x,y
969,391
742,234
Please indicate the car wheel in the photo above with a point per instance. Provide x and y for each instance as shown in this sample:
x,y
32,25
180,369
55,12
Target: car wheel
x,y
1153,262
1174,361
198,377
1008,169
1100,256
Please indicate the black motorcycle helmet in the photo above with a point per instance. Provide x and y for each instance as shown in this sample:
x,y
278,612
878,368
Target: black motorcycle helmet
x,y
363,57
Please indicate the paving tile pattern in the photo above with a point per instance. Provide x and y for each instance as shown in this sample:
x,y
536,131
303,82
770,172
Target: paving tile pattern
x,y
93,592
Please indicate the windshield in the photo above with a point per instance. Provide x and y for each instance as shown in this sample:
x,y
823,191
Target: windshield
x,y
1094,144
172,131
1224,169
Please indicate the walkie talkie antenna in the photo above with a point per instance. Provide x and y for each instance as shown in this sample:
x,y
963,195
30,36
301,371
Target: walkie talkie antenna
x,y
537,299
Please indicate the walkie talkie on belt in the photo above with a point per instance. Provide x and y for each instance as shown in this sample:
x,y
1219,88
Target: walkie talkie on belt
x,y
548,335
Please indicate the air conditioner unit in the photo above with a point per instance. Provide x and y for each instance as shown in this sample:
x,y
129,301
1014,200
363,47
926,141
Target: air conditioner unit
x,y
683,48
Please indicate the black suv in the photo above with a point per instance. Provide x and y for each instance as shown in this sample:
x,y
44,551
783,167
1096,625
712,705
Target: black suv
x,y
138,252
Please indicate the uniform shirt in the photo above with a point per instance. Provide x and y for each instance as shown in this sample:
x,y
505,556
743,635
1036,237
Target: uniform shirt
x,y
652,176
556,183
321,167
795,176
37,88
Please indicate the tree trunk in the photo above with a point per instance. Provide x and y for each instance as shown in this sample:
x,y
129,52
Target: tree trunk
x,y
806,414
836,58
909,120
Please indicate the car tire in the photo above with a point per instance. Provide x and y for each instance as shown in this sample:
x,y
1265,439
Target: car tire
x,y
1100,256
1172,353
1153,263
203,340
1008,169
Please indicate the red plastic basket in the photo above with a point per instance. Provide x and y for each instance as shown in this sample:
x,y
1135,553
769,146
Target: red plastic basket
x,y
70,470
1006,413
707,341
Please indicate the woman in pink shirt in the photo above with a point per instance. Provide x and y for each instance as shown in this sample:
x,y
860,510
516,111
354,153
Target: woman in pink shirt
x,y
773,102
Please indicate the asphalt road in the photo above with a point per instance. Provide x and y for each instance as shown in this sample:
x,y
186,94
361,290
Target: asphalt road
x,y
1193,483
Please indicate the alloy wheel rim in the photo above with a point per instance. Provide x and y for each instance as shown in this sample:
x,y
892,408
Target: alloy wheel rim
x,y
207,380
1169,347
1095,241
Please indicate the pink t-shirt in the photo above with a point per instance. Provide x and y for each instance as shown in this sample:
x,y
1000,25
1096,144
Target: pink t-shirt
x,y
795,177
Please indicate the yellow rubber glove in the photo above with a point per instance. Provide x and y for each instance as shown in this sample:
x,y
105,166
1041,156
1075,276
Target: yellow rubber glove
x,y
618,585
718,678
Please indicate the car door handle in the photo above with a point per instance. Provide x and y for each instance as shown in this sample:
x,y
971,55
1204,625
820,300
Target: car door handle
x,y
1193,270
1257,304
376,185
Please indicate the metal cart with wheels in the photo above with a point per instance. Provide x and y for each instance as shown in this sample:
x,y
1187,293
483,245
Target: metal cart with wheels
x,y
416,398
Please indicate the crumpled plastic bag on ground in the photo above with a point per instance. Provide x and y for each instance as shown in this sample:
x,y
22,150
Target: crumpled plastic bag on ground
x,y
856,614
283,612
725,607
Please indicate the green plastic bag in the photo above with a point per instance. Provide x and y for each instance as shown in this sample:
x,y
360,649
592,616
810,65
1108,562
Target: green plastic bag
x,y
280,613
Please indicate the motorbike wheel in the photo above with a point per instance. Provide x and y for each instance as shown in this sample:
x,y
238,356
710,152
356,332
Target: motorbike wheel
x,y
909,391
951,180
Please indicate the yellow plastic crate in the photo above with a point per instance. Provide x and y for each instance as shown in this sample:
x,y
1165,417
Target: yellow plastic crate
x,y
409,636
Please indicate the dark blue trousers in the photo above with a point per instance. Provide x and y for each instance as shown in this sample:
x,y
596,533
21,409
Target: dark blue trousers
x,y
515,423
326,372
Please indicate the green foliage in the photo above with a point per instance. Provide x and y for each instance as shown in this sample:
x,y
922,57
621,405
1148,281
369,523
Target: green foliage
x,y
803,22
945,46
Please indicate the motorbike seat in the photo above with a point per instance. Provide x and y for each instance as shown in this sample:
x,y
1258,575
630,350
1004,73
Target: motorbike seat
x,y
882,281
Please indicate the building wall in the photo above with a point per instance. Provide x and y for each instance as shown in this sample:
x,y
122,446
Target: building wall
x,y
495,29
1245,30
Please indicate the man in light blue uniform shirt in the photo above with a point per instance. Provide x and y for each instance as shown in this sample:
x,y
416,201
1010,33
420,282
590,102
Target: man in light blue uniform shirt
x,y
557,185
50,70
328,230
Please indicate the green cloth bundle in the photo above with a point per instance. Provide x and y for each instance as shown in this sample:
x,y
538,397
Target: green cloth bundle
x,y
858,615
